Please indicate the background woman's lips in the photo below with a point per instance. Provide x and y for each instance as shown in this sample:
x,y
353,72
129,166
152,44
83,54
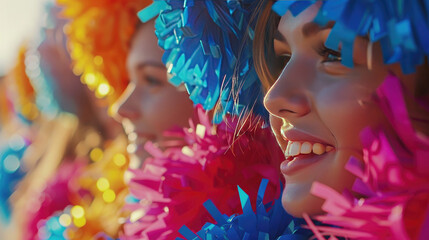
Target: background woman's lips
x,y
145,136
137,140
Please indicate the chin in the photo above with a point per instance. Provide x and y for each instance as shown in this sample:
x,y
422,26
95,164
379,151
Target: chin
x,y
297,200
140,155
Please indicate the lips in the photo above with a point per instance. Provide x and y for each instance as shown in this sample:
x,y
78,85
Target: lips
x,y
143,137
137,140
302,150
296,148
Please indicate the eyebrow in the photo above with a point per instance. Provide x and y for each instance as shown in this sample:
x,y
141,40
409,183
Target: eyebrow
x,y
308,30
312,28
151,63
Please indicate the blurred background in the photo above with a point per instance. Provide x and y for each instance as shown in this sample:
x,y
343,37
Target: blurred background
x,y
19,20
61,153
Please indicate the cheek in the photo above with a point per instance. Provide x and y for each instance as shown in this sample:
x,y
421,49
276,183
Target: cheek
x,y
168,108
346,108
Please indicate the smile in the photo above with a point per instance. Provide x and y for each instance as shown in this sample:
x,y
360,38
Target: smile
x,y
302,150
296,148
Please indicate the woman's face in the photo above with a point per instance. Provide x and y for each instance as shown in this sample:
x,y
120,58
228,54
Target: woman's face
x,y
318,108
150,104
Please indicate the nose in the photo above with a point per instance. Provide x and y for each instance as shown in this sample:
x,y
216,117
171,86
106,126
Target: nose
x,y
127,105
289,97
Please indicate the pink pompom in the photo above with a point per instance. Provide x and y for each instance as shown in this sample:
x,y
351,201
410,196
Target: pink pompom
x,y
393,181
172,187
55,197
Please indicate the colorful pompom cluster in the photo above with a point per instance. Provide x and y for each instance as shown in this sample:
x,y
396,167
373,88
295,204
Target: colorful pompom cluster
x,y
82,201
55,197
17,138
170,190
401,27
208,48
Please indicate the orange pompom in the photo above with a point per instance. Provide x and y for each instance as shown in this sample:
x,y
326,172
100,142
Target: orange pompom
x,y
99,32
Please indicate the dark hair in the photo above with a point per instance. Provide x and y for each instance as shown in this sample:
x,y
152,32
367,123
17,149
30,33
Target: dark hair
x,y
266,63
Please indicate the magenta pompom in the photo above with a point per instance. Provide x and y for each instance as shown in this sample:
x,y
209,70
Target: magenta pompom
x,y
213,160
55,197
393,181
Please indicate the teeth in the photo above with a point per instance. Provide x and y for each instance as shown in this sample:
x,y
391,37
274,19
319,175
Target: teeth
x,y
288,148
319,149
296,148
306,148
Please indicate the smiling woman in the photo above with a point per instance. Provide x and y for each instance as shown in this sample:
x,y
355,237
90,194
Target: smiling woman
x,y
319,106
320,102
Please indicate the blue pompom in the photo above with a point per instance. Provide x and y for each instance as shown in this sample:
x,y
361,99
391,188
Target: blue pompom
x,y
205,50
401,27
269,221
11,171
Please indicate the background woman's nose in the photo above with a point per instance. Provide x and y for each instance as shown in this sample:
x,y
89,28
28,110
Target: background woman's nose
x,y
127,106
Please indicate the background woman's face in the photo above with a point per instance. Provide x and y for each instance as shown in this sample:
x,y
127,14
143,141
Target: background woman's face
x,y
150,104
319,107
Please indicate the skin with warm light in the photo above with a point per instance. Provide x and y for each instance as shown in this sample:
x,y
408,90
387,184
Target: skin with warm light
x,y
150,105
319,107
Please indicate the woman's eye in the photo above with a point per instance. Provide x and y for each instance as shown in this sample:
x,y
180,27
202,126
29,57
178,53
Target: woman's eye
x,y
329,55
332,58
284,59
279,63
153,81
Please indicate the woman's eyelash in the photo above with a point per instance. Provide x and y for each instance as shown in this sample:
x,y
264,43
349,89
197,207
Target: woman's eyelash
x,y
328,54
284,58
153,81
